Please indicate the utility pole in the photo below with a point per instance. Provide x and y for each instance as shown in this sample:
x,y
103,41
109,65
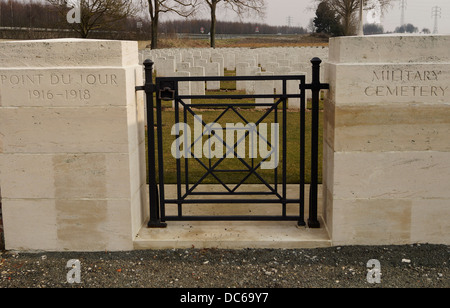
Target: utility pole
x,y
436,14
403,5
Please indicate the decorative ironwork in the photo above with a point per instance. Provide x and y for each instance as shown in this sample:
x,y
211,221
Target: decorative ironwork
x,y
167,89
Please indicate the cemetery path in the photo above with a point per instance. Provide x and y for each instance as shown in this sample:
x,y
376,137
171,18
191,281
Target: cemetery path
x,y
412,266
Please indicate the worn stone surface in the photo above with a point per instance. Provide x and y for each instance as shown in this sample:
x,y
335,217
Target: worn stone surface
x,y
235,235
212,69
72,145
197,87
67,53
386,128
264,87
384,84
390,49
399,127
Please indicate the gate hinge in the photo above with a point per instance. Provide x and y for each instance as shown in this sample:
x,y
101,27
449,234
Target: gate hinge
x,y
148,88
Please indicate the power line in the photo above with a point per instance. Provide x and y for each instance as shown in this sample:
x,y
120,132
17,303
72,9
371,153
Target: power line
x,y
436,14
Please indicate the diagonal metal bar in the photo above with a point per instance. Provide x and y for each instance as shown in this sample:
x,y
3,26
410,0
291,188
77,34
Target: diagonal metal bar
x,y
246,122
211,170
212,173
275,192
188,108
188,191
236,154
243,138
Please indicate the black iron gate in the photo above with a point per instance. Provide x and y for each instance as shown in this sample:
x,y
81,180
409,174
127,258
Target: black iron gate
x,y
168,89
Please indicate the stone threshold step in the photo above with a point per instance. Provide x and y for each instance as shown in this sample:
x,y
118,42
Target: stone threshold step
x,y
232,235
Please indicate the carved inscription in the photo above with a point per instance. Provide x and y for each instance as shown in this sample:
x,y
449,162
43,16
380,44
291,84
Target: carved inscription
x,y
406,83
58,85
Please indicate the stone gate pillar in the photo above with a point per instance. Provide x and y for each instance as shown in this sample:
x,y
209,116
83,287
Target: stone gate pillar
x,y
72,155
387,140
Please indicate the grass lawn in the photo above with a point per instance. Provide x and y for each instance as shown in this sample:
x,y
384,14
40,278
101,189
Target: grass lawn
x,y
252,115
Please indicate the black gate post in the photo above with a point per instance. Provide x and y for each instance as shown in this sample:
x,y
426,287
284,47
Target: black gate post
x,y
316,86
155,219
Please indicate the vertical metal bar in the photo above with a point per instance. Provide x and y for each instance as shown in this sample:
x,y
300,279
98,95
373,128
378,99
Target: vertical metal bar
x,y
316,87
277,158
301,221
284,145
162,198
177,121
155,219
186,160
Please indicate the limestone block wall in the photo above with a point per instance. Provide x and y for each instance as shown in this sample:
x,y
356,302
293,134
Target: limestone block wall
x,y
387,140
72,155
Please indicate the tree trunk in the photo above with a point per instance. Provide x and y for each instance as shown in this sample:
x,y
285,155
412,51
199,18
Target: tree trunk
x,y
154,30
83,30
154,22
213,23
348,24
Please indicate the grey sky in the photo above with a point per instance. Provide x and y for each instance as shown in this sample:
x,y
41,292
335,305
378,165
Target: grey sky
x,y
418,12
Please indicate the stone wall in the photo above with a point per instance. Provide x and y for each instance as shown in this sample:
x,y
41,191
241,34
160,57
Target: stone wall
x,y
387,140
72,145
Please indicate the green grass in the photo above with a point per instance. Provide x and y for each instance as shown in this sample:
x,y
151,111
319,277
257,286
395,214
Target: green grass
x,y
196,171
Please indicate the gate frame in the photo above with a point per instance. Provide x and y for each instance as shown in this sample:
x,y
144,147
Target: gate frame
x,y
168,93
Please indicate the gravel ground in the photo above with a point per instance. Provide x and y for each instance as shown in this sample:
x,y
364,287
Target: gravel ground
x,y
2,239
412,266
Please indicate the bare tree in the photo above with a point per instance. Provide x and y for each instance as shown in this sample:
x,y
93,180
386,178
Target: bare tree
x,y
240,7
183,8
96,14
348,11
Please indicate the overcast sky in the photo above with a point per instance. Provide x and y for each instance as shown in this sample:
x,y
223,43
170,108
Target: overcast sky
x,y
418,13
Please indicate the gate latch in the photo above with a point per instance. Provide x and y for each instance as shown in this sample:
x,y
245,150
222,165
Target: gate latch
x,y
167,92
